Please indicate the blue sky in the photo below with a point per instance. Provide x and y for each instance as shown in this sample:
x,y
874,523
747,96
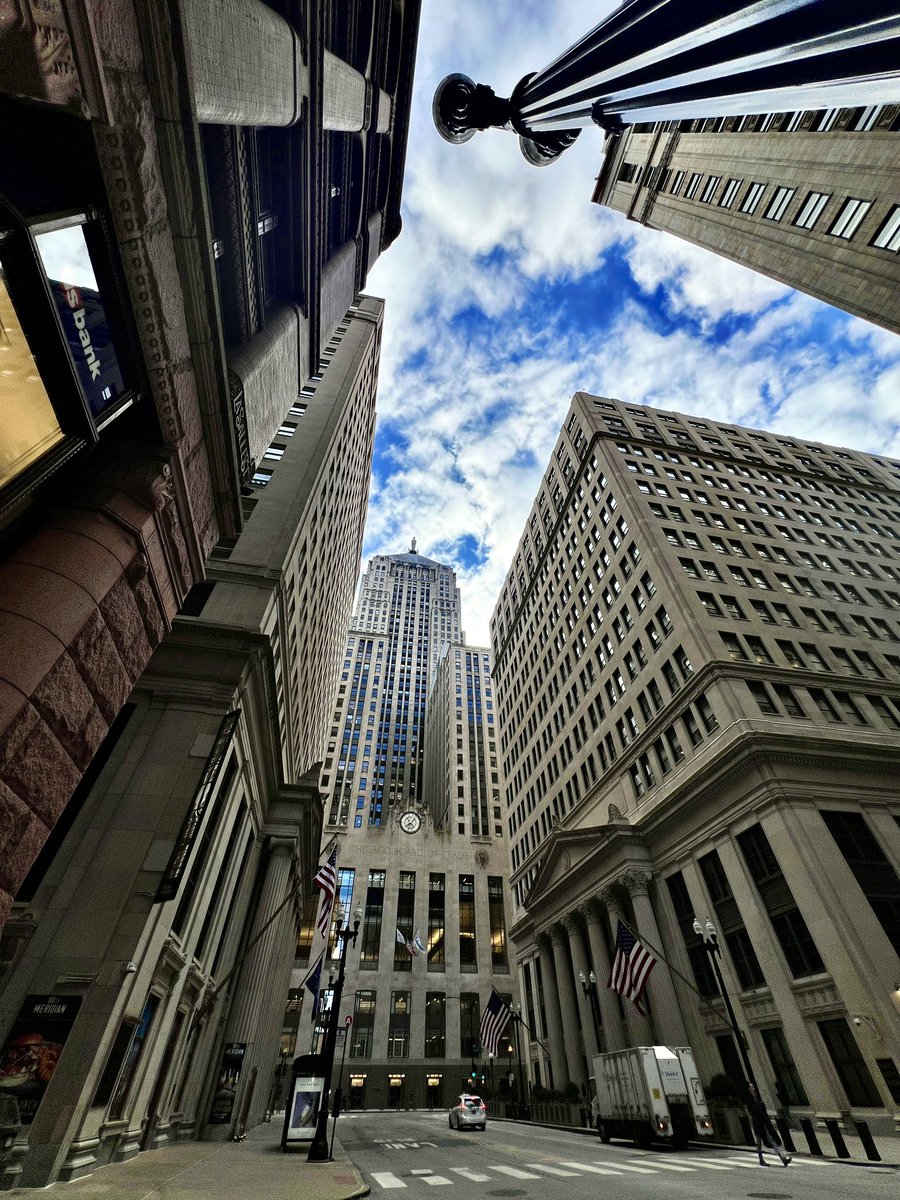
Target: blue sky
x,y
508,290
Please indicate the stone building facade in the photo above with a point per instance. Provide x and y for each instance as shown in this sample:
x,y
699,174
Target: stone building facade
x,y
213,184
697,687
413,787
199,821
808,198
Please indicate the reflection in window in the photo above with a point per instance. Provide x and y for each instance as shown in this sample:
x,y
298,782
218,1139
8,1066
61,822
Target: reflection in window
x,y
29,427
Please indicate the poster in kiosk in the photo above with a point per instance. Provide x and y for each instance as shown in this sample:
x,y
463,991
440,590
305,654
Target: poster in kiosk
x,y
304,1099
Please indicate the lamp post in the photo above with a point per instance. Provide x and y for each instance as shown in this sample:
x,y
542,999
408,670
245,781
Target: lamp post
x,y
589,987
516,1011
714,950
664,60
318,1149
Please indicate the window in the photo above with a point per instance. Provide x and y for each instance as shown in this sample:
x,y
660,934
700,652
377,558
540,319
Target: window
x,y
811,209
499,956
62,378
888,236
371,932
730,922
398,1025
752,197
778,204
363,1025
469,1022
435,1025
406,902
693,185
709,189
436,957
764,701
731,190
788,1085
849,218
468,961
871,867
733,646
849,1063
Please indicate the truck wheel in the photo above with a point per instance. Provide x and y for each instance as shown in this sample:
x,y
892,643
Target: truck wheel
x,y
603,1130
643,1138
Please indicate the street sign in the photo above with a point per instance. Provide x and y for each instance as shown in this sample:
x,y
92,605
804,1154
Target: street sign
x,y
348,1020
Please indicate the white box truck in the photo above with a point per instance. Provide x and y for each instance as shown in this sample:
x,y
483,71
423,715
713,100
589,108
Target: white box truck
x,y
648,1093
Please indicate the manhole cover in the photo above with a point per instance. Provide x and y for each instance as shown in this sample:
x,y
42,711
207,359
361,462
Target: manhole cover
x,y
770,1196
506,1192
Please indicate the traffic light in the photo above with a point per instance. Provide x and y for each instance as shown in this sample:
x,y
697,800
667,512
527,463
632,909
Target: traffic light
x,y
482,1078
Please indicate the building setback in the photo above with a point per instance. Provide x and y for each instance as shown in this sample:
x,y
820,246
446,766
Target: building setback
x,y
808,198
203,816
421,853
695,655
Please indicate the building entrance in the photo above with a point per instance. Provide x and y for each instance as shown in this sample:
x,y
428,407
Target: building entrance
x,y
434,1091
396,1091
356,1096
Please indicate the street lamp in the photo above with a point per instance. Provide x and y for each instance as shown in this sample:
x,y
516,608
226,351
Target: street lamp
x,y
318,1149
516,1013
714,950
589,987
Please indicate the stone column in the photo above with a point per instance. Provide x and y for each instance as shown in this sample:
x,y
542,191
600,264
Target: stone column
x,y
554,1031
255,1001
580,965
640,1028
667,1013
565,985
614,1034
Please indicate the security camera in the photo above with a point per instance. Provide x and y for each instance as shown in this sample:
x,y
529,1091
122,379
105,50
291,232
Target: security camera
x,y
857,1021
129,969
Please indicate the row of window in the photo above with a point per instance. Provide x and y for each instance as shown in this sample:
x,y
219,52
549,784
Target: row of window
x,y
434,1045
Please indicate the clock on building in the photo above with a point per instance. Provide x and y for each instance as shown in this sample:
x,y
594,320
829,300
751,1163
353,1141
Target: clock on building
x,y
410,822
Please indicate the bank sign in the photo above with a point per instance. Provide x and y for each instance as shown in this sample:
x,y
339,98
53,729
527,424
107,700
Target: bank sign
x,y
90,344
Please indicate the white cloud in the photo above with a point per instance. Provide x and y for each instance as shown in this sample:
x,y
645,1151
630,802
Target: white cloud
x,y
477,370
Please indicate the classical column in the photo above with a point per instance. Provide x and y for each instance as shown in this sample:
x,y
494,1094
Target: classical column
x,y
614,1036
640,1028
554,1029
568,1002
250,1019
665,60
580,965
666,1011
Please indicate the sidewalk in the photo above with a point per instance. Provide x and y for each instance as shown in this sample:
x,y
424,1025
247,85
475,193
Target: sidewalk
x,y
255,1169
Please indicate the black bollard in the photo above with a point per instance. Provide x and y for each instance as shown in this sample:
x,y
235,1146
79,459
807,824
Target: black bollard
x,y
810,1134
837,1137
785,1130
862,1128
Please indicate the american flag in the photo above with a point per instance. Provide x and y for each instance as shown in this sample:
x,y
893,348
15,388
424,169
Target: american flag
x,y
631,967
494,1020
327,881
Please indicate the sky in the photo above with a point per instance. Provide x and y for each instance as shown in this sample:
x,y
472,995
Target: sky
x,y
508,290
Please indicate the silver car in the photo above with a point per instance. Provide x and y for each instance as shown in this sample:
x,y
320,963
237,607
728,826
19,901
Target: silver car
x,y
469,1112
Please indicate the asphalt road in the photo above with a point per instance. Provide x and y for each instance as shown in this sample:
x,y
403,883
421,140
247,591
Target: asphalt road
x,y
408,1154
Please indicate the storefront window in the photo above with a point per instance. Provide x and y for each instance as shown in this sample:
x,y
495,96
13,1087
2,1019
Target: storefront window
x,y
28,425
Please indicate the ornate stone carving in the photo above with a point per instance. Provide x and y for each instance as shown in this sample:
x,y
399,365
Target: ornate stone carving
x,y
636,882
614,813
543,943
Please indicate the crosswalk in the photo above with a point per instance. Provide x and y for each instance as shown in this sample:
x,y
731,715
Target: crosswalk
x,y
647,1164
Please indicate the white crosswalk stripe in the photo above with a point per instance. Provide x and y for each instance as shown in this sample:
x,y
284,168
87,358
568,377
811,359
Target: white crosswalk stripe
x,y
474,1176
552,1170
620,1166
587,1167
435,1180
665,1166
386,1180
514,1172
699,1162
741,1162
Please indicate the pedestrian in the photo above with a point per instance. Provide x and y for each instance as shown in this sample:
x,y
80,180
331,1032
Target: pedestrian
x,y
763,1130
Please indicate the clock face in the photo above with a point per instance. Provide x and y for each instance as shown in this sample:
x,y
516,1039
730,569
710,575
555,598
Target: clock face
x,y
410,822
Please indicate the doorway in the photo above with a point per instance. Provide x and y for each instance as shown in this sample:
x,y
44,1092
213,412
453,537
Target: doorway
x,y
396,1091
434,1091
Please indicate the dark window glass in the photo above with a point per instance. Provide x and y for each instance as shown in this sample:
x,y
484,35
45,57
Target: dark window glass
x,y
788,1085
849,1063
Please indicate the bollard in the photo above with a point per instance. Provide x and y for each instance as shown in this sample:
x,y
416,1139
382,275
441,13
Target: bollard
x,y
810,1134
785,1130
837,1137
862,1129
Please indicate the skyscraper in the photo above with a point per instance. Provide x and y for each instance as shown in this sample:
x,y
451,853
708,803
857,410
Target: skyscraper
x,y
414,789
166,905
806,197
695,654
